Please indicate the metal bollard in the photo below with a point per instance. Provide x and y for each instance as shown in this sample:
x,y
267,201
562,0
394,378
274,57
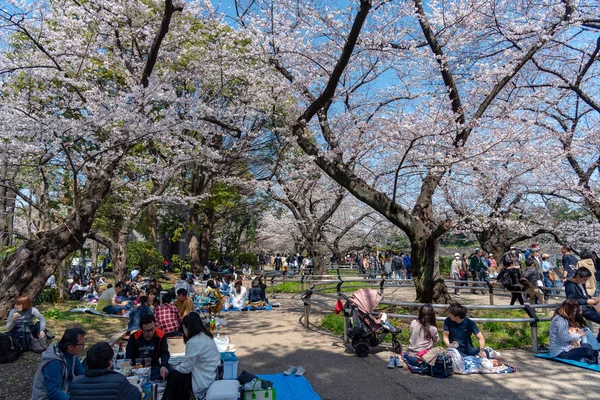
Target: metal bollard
x,y
306,315
346,321
491,298
534,336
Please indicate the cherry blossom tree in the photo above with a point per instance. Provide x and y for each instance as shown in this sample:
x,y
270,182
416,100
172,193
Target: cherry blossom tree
x,y
392,94
89,88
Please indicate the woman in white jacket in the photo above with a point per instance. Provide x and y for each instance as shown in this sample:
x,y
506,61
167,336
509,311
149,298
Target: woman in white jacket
x,y
239,295
199,367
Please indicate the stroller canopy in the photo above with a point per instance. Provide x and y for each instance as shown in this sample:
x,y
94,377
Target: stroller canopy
x,y
366,299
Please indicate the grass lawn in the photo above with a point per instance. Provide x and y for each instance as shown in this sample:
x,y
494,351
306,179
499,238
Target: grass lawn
x,y
498,335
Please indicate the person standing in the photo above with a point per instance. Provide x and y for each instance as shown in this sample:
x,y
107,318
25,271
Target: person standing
x,y
455,271
100,382
398,266
408,266
374,264
548,274
475,266
59,366
569,262
387,266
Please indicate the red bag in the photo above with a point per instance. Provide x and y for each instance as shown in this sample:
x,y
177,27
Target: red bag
x,y
339,307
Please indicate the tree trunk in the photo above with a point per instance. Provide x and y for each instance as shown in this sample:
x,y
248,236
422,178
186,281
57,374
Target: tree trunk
x,y
7,207
153,220
94,251
429,284
26,271
120,255
193,242
207,228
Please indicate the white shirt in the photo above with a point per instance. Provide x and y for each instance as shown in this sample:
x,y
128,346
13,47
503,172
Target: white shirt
x,y
77,287
238,300
201,359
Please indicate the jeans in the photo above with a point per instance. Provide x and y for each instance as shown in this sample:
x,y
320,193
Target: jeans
x,y
472,351
155,372
408,274
583,352
591,314
397,274
590,339
116,309
548,283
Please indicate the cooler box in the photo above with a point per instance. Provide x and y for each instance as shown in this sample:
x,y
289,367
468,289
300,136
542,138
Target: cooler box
x,y
230,365
224,390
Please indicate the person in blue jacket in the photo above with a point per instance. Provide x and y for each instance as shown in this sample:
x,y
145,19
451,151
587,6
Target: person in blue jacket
x,y
100,382
59,366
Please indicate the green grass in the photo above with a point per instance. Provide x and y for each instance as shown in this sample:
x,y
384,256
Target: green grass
x,y
498,335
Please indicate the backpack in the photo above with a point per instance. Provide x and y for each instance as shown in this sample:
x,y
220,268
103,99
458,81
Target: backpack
x,y
506,279
9,350
443,366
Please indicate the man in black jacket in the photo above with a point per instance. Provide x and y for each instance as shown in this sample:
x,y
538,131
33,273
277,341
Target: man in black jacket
x,y
150,342
100,382
575,289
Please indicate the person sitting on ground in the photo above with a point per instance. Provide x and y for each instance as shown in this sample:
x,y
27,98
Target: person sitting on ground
x,y
182,283
59,366
153,300
100,382
561,339
108,301
224,285
239,295
154,285
213,293
168,317
198,370
129,292
50,282
206,273
76,289
532,281
246,271
575,289
150,342
255,294
183,303
136,314
423,331
134,273
20,326
93,289
458,330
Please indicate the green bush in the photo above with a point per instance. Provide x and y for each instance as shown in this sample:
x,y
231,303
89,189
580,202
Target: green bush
x,y
180,264
445,264
146,256
48,296
247,258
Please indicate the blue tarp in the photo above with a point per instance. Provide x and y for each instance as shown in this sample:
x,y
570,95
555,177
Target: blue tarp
x,y
292,387
547,356
267,308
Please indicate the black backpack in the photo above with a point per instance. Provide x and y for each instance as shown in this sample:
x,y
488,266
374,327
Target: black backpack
x,y
443,367
10,350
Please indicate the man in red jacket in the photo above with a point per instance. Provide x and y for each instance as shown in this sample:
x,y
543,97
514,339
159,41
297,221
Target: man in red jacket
x,y
150,342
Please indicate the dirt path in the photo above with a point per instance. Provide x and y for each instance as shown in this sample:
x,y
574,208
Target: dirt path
x,y
270,341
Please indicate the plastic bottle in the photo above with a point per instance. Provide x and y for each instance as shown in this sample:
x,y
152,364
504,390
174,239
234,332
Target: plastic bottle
x,y
120,352
213,325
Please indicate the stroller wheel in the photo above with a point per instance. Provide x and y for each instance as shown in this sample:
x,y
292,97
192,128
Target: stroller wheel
x,y
396,346
355,342
361,349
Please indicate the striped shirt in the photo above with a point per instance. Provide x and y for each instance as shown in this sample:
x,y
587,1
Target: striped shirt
x,y
560,339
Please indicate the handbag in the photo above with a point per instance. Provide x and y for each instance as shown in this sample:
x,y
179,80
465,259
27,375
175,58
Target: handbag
x,y
38,345
260,393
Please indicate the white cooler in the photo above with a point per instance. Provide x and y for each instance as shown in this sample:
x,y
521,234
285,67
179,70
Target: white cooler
x,y
224,390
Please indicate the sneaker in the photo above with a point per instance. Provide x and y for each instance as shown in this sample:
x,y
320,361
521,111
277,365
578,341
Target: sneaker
x,y
290,371
300,371
398,362
392,363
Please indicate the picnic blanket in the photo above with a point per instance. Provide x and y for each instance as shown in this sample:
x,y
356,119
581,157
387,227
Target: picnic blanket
x,y
248,308
547,356
96,312
292,387
460,365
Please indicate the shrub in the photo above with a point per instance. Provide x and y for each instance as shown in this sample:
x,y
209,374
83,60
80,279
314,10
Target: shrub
x,y
247,258
48,296
146,256
445,264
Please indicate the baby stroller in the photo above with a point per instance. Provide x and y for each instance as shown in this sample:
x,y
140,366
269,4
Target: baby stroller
x,y
364,330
